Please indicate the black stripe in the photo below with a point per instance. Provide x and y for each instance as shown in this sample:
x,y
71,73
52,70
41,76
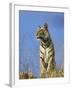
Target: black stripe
x,y
51,50
42,58
45,65
42,45
51,56
41,52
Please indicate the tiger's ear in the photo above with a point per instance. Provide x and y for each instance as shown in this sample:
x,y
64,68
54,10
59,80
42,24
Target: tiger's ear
x,y
46,26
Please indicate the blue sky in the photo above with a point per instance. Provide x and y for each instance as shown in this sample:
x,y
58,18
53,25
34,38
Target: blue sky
x,y
28,44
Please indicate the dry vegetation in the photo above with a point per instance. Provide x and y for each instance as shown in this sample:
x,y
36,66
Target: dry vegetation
x,y
54,73
23,75
51,74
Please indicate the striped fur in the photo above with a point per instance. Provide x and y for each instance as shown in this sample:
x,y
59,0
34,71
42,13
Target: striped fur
x,y
47,53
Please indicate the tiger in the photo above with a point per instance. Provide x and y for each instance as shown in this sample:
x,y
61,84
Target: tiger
x,y
47,52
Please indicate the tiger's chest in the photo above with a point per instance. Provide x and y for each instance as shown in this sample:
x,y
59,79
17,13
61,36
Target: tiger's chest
x,y
46,53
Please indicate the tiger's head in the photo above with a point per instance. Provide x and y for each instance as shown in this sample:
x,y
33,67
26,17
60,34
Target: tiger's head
x,y
42,33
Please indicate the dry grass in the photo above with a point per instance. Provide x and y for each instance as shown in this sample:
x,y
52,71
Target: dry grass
x,y
56,73
53,73
23,75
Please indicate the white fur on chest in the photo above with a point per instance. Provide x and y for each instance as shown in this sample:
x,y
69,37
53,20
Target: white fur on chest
x,y
45,52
